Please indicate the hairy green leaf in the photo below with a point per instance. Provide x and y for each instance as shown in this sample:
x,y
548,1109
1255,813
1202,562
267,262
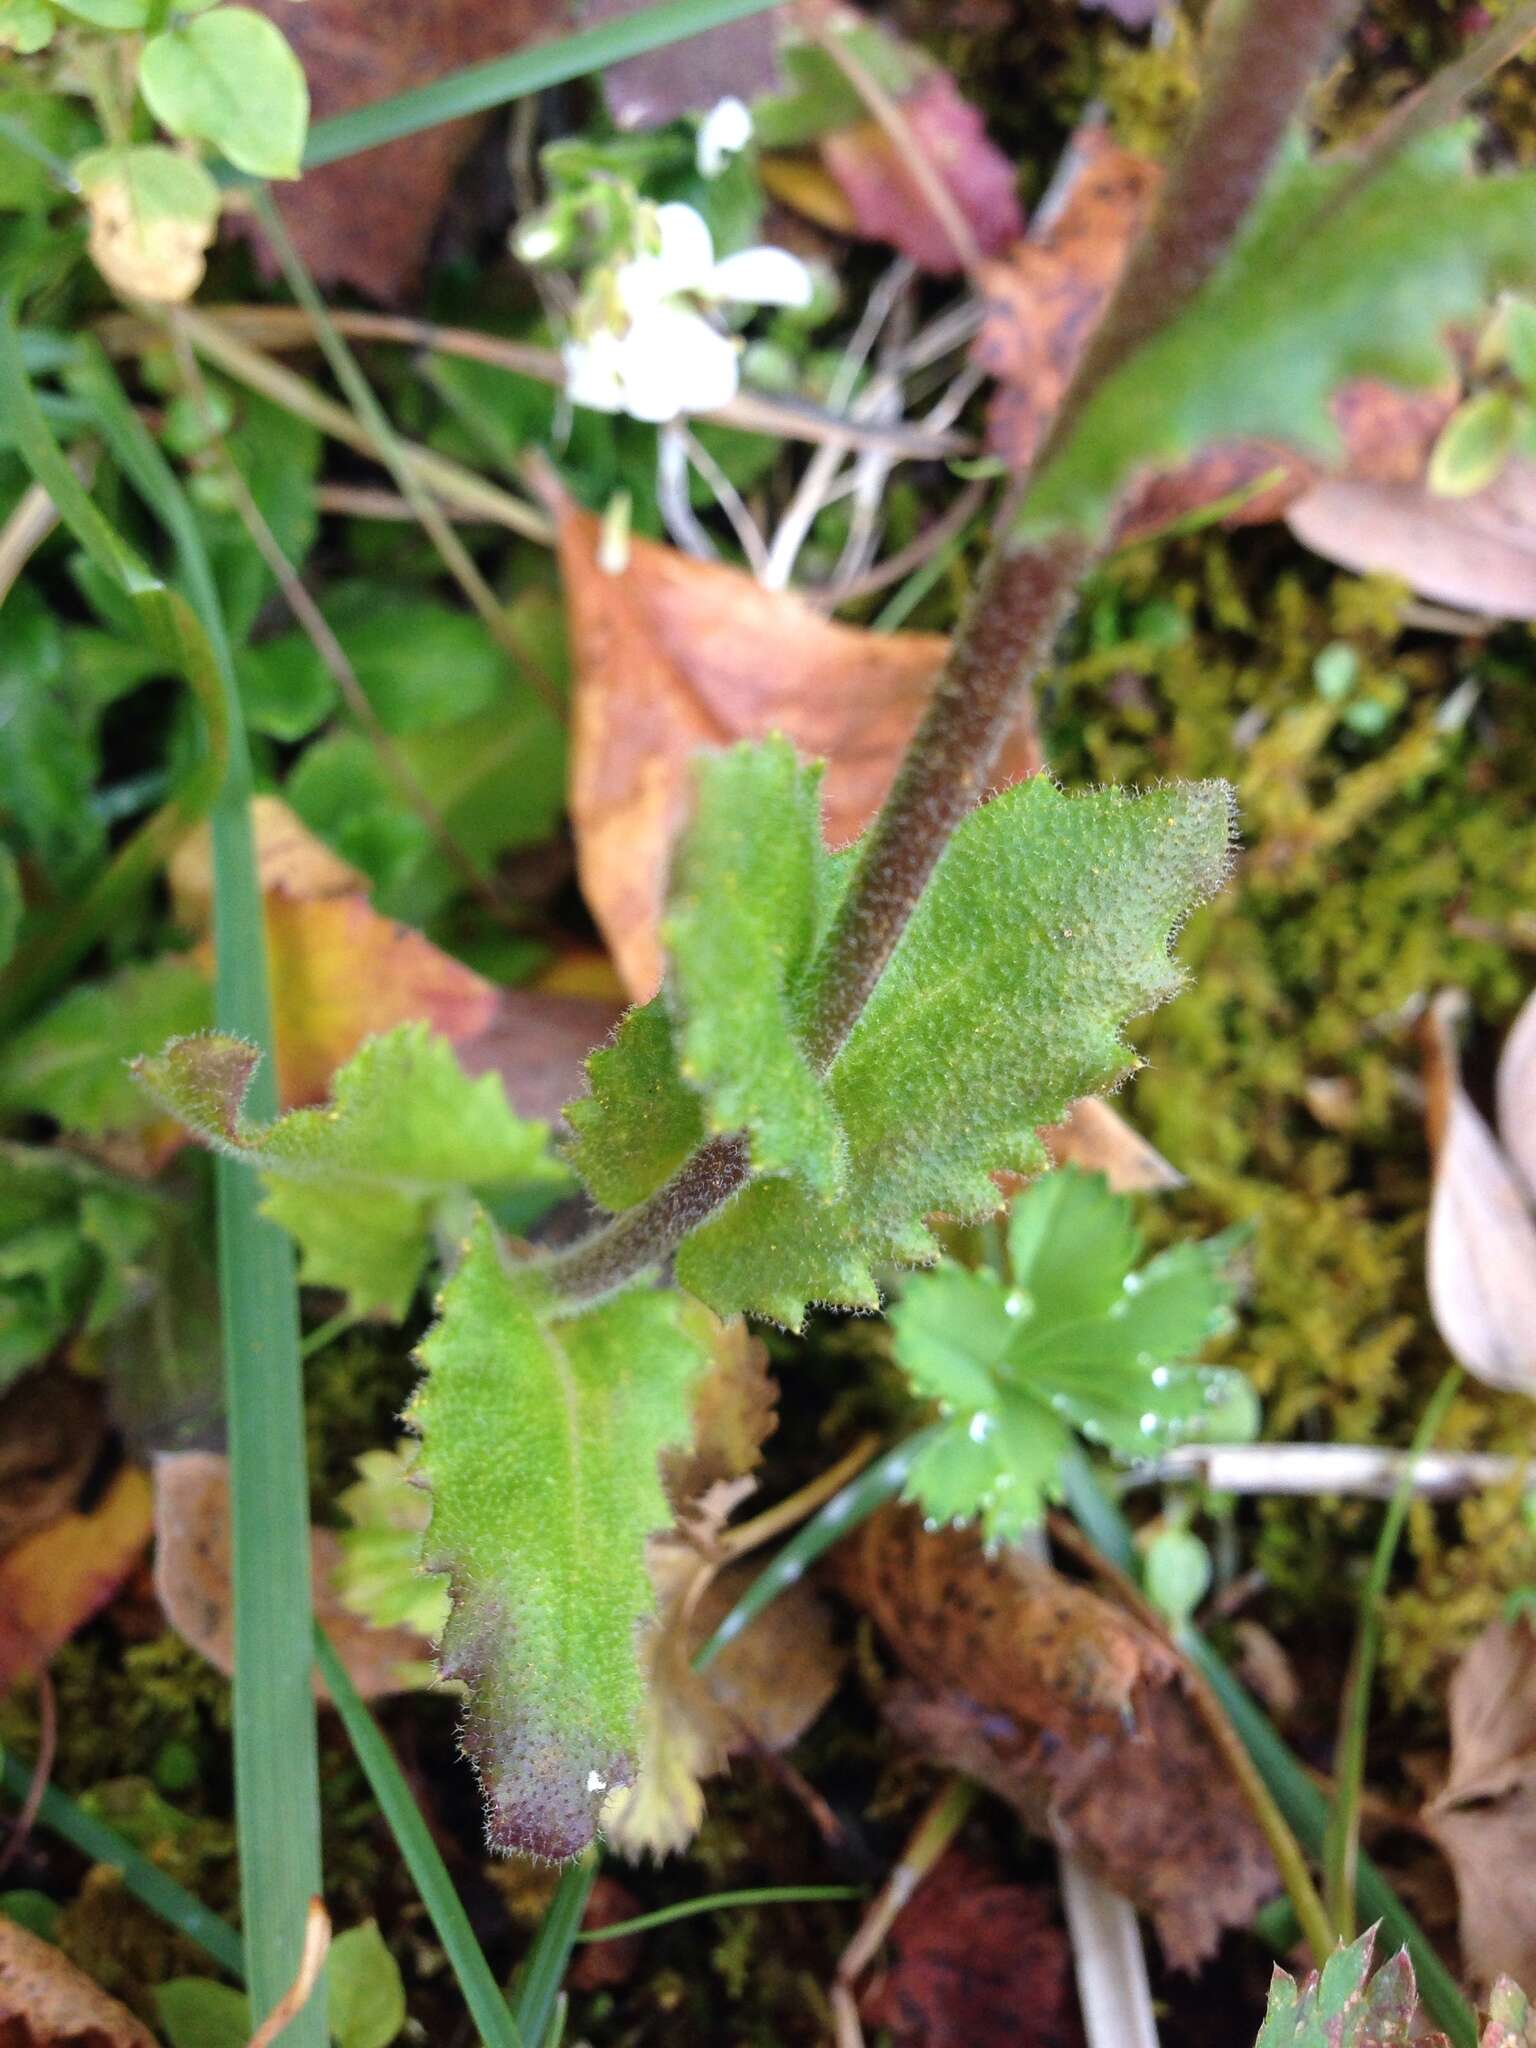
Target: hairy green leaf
x,y
71,1062
739,933
1333,277
360,1182
1076,1339
1045,928
540,1441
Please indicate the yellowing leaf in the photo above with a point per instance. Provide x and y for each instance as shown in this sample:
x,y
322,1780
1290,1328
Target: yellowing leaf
x,y
51,1583
153,214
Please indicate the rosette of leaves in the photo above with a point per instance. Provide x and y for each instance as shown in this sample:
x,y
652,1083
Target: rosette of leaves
x,y
1345,2006
1077,1335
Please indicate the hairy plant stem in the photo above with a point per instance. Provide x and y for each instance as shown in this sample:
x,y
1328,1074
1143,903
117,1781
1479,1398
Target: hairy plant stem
x,y
1265,59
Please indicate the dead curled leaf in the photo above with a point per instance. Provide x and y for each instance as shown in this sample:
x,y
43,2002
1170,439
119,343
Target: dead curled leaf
x,y
668,655
1480,1253
192,1581
46,2002
975,1961
1070,1711
51,1428
768,1685
1097,1139
54,1580
1485,1817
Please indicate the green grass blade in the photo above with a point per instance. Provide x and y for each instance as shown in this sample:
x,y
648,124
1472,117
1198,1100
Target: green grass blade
x,y
850,1505
483,86
149,1885
718,1902
1307,1809
544,1971
276,1762
482,1994
1342,1847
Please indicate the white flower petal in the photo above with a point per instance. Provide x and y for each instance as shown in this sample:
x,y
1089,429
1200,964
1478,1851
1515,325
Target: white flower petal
x,y
686,251
761,277
593,372
675,362
724,132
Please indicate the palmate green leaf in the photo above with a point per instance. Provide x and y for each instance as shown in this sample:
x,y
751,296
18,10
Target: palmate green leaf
x,y
360,1182
1346,2007
1333,278
1045,928
1078,1338
540,1441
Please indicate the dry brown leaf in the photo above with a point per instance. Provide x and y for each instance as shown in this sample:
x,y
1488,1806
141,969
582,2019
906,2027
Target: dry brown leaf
x,y
53,1581
1485,1818
1096,1138
735,1410
192,1580
1516,1090
340,971
46,2002
671,656
1480,1256
975,1961
1478,553
1044,300
1069,1710
764,1690
738,59
51,1430
368,221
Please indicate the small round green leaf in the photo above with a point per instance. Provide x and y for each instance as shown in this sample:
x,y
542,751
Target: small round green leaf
x,y
1520,342
365,1997
196,2012
1474,445
1178,1574
229,78
26,26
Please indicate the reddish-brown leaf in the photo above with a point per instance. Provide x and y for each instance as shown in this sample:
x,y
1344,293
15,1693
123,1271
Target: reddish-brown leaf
x,y
888,202
975,1962
192,1580
46,2002
50,1432
537,1041
368,221
1044,300
737,60
672,655
1096,1138
1069,1710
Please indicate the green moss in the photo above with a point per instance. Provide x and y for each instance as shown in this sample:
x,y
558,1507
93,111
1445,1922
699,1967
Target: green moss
x,y
1381,858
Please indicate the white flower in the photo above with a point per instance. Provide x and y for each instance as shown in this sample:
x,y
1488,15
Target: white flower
x,y
645,344
724,132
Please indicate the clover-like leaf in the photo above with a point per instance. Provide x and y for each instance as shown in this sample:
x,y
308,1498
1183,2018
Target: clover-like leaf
x,y
1334,276
360,1181
540,1446
1078,1338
